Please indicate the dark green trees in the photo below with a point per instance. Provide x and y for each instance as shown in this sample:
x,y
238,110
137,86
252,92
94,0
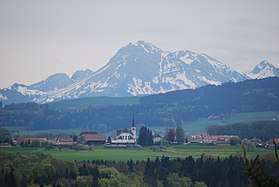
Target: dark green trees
x,y
180,135
5,136
171,135
145,136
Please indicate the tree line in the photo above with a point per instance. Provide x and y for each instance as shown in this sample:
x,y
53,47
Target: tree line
x,y
173,135
36,169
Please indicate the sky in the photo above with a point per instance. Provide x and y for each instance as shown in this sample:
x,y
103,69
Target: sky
x,y
41,38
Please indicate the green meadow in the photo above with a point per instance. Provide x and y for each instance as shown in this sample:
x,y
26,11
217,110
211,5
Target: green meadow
x,y
172,151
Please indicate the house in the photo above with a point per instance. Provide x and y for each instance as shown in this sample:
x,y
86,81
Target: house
x,y
196,138
126,136
257,142
157,139
64,140
93,138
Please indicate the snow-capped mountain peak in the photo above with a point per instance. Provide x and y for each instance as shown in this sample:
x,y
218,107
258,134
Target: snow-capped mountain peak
x,y
264,69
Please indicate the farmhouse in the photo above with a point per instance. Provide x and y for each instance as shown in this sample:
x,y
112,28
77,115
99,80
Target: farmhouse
x,y
92,138
21,141
126,136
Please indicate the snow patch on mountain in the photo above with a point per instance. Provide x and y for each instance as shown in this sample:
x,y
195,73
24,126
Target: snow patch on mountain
x,y
3,97
25,91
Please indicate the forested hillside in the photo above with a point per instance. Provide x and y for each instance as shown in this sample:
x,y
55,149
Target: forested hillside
x,y
158,110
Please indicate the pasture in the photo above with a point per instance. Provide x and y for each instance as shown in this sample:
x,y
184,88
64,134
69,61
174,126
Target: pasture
x,y
121,154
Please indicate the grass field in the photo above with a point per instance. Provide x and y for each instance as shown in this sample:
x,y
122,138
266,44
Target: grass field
x,y
120,154
83,103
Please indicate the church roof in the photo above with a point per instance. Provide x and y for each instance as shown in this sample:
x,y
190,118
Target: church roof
x,y
118,132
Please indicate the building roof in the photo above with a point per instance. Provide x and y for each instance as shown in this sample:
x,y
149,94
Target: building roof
x,y
64,139
196,135
87,132
217,137
94,137
157,136
118,132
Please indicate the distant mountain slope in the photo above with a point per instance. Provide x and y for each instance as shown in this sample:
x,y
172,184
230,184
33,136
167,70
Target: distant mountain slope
x,y
264,69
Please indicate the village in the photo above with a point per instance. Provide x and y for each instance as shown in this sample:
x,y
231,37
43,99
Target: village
x,y
129,138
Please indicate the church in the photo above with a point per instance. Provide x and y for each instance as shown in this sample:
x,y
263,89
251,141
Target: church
x,y
126,136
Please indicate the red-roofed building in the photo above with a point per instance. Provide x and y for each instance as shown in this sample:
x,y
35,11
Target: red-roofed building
x,y
92,138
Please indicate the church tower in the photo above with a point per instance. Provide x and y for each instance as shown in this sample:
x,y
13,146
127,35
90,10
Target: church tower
x,y
134,129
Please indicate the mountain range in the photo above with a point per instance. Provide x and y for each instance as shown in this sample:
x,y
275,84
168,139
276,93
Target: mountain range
x,y
136,69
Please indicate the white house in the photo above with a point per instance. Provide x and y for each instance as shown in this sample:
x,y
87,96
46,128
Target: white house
x,y
157,139
126,136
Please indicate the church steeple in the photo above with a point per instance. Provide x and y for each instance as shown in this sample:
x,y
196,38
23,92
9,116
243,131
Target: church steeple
x,y
133,124
134,129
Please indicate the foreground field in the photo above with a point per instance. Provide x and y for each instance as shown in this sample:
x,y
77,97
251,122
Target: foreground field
x,y
175,151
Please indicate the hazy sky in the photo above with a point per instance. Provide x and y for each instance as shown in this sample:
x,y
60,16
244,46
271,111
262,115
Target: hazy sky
x,y
40,38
